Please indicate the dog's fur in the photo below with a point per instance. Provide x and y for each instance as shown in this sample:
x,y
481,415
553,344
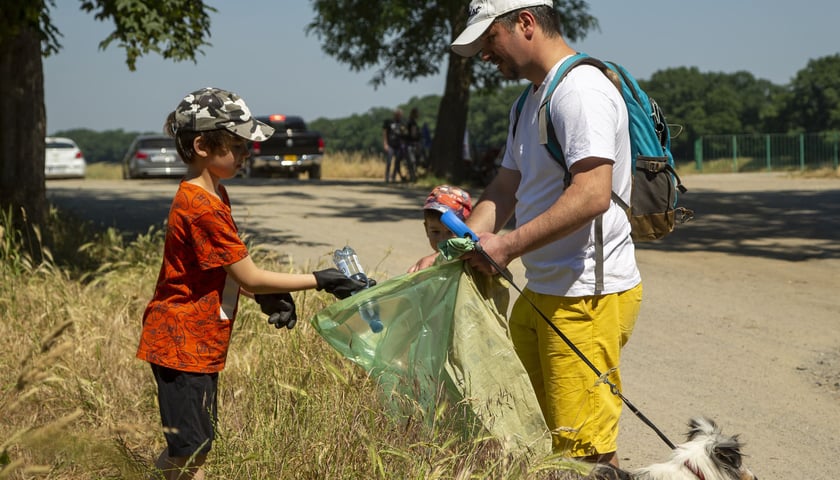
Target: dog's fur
x,y
710,454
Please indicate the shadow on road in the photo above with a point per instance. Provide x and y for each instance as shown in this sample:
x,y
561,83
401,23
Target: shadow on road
x,y
789,225
792,225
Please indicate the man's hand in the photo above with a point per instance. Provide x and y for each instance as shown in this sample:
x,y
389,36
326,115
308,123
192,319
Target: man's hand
x,y
280,308
335,282
494,247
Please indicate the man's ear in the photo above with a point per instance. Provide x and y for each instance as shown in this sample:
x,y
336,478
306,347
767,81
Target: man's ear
x,y
527,23
198,147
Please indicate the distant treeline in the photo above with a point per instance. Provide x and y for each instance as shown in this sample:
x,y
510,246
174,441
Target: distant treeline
x,y
702,103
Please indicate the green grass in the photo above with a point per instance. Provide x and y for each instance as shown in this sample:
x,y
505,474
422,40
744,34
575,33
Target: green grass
x,y
76,404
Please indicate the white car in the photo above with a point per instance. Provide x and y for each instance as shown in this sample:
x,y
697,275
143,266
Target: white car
x,y
63,159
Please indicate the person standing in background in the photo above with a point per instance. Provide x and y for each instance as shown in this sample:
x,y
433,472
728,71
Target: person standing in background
x,y
393,142
412,143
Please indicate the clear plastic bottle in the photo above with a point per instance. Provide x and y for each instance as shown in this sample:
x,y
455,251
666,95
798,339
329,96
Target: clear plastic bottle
x,y
347,261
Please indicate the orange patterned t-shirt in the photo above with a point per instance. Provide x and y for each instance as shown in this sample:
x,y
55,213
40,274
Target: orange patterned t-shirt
x,y
187,324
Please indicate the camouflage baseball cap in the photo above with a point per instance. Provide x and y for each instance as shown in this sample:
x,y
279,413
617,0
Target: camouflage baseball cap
x,y
213,108
445,197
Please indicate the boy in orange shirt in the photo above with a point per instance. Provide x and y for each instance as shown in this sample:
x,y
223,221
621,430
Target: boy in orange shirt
x,y
187,324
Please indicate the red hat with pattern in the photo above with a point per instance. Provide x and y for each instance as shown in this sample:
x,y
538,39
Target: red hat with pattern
x,y
445,197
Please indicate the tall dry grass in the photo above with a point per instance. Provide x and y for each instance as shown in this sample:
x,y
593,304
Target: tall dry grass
x,y
76,404
336,165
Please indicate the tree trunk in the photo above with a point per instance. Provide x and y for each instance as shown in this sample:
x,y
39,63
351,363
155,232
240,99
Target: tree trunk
x,y
22,131
446,150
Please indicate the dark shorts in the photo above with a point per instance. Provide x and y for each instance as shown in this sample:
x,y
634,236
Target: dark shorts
x,y
187,409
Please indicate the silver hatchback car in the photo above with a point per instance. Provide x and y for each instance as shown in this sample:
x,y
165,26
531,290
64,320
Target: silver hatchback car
x,y
152,156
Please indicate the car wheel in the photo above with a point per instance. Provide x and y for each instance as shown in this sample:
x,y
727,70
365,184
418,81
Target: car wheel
x,y
315,173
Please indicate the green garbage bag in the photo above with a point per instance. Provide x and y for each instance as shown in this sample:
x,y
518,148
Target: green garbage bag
x,y
443,338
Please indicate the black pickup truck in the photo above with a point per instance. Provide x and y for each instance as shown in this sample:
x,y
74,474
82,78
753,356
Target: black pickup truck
x,y
291,150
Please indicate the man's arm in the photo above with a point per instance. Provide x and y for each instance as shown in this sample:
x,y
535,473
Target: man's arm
x,y
587,197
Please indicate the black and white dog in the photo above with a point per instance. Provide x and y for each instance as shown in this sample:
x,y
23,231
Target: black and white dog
x,y
707,455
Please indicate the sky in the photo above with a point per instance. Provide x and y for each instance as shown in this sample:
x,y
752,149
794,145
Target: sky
x,y
260,50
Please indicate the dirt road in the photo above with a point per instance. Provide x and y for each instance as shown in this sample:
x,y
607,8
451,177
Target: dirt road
x,y
740,322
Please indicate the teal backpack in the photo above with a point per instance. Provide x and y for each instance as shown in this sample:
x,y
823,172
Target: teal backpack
x,y
653,210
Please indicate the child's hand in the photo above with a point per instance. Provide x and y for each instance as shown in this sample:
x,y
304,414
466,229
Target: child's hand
x,y
280,308
335,282
424,262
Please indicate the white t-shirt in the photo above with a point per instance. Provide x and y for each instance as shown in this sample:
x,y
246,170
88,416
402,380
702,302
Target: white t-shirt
x,y
590,120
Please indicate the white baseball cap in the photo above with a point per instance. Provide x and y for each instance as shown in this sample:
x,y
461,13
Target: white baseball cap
x,y
482,14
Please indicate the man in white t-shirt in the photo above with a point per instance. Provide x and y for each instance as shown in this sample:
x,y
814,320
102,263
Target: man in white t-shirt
x,y
555,225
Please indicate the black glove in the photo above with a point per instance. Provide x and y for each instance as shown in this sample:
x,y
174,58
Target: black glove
x,y
335,282
280,308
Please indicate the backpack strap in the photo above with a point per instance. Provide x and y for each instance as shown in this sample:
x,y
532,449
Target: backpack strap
x,y
546,127
520,104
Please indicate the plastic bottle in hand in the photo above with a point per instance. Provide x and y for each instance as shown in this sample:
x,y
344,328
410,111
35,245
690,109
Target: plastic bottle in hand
x,y
347,261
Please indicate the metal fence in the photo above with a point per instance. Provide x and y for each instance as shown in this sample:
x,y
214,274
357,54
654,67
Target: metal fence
x,y
754,152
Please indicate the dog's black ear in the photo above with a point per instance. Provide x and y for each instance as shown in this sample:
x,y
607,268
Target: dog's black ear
x,y
608,472
701,426
727,453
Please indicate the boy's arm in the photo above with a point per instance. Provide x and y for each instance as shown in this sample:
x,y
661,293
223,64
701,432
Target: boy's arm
x,y
257,281
424,262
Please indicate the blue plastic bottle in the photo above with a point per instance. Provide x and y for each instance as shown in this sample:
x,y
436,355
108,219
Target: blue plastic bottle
x,y
347,261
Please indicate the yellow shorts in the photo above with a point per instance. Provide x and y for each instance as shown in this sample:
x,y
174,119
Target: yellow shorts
x,y
581,412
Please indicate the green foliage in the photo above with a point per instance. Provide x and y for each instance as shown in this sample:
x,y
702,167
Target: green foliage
x,y
408,39
710,103
175,29
363,132
489,117
702,103
356,133
814,96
